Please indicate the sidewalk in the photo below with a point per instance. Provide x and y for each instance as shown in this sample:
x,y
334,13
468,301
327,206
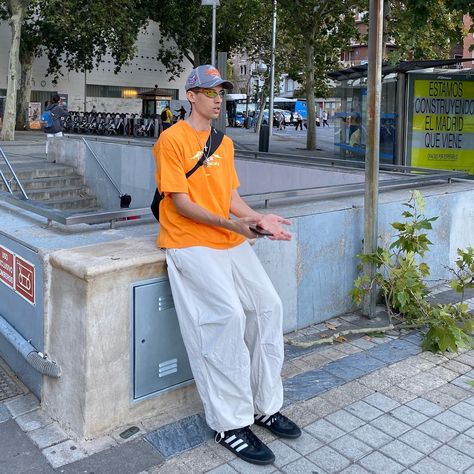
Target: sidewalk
x,y
368,405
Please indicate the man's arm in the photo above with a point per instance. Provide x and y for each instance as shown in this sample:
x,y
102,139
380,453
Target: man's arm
x,y
270,222
195,212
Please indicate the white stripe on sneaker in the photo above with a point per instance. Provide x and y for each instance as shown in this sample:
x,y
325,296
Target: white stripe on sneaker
x,y
236,443
230,439
241,447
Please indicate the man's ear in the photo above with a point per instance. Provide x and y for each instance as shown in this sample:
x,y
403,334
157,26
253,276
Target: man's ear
x,y
191,96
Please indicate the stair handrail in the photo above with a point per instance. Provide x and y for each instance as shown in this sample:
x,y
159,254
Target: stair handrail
x,y
15,177
102,166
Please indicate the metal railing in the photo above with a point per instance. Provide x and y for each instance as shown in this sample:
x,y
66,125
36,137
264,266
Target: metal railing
x,y
399,177
14,176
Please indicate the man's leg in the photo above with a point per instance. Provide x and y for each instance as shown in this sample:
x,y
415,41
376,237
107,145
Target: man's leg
x,y
212,324
264,338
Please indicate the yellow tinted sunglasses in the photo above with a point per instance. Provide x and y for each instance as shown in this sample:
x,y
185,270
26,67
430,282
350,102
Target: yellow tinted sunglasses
x,y
211,93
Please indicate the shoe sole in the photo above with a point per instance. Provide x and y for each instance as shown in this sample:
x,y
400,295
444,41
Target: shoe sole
x,y
246,459
277,433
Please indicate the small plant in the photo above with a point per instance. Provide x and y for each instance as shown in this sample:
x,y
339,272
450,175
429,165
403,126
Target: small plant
x,y
400,277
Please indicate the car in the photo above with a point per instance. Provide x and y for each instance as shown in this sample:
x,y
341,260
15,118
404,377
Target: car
x,y
239,120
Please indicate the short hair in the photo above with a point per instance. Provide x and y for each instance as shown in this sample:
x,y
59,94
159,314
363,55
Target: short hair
x,y
55,99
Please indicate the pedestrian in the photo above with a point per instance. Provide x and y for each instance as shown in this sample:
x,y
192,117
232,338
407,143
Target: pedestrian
x,y
325,119
182,113
299,122
230,316
166,117
54,113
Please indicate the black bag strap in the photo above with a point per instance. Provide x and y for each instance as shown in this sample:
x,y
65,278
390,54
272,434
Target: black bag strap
x,y
212,144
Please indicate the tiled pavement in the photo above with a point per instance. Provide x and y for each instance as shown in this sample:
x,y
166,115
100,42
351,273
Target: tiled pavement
x,y
368,405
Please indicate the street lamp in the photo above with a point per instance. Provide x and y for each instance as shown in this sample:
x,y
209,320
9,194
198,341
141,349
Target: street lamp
x,y
214,4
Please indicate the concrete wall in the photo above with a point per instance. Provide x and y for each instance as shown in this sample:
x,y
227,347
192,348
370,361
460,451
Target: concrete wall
x,y
88,306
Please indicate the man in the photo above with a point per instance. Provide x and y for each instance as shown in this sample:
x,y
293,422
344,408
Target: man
x,y
166,117
229,314
57,111
325,119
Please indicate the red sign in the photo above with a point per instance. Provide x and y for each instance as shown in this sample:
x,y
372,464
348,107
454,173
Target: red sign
x,y
25,279
6,267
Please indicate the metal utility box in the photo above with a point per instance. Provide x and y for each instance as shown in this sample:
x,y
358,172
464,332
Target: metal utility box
x,y
160,362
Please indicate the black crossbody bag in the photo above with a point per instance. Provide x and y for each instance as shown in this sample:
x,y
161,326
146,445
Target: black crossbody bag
x,y
212,144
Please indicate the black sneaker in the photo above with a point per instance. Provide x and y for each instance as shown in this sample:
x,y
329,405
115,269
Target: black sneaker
x,y
244,444
279,425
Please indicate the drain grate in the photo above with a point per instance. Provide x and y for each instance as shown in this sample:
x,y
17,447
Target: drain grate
x,y
8,388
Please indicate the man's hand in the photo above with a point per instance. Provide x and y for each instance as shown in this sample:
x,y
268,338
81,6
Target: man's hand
x,y
241,226
273,224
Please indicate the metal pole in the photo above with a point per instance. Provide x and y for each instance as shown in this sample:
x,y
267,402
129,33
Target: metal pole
x,y
272,70
374,92
85,89
213,50
401,108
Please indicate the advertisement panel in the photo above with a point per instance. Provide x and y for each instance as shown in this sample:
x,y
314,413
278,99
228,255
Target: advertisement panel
x,y
441,125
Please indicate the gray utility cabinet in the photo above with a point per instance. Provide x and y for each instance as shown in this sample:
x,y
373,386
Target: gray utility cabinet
x,y
160,362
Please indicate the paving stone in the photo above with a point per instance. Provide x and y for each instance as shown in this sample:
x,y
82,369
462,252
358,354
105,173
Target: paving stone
x,y
344,420
130,457
173,466
452,458
324,431
419,363
344,370
338,397
425,406
398,394
4,413
354,390
364,411
435,358
315,360
382,402
394,351
333,354
408,415
247,468
284,454
467,359
403,453
382,379
462,382
456,366
470,400
443,373
48,435
464,409
21,405
205,457
320,407
17,453
421,383
463,443
355,469
390,425
365,362
363,343
309,384
289,370
33,420
301,466
329,459
96,445
348,348
372,436
378,462
455,421
304,444
63,453
352,448
430,466
470,433
406,368
447,395
437,430
224,469
421,441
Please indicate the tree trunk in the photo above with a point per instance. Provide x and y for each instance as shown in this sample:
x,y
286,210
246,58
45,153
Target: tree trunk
x,y
16,9
24,92
311,122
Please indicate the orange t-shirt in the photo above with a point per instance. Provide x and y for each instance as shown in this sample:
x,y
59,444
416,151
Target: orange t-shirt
x,y
176,152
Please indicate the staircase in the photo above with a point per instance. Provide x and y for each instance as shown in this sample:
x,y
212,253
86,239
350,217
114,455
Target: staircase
x,y
55,185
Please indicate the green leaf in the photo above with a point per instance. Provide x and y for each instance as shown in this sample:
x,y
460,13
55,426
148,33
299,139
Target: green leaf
x,y
470,382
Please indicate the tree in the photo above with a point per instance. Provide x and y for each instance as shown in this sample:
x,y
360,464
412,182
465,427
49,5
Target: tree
x,y
76,36
186,26
13,11
438,28
320,30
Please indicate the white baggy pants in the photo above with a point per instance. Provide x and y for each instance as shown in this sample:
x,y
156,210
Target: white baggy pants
x,y
230,318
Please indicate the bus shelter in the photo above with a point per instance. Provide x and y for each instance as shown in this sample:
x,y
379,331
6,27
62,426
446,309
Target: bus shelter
x,y
427,114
